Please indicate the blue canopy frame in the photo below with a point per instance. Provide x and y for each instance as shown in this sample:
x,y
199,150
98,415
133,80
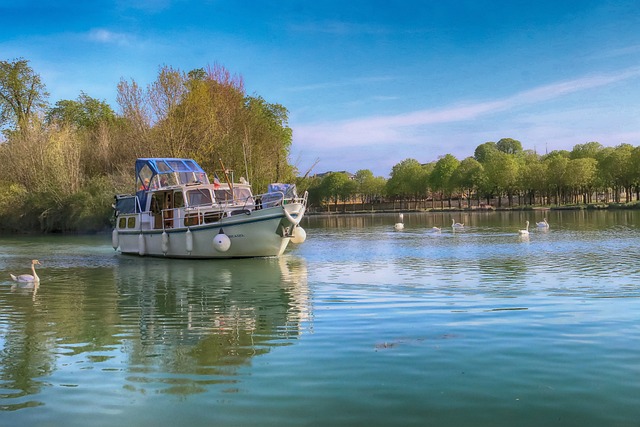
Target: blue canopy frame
x,y
156,173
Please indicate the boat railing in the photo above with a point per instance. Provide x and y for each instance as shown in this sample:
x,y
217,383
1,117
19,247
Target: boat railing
x,y
207,214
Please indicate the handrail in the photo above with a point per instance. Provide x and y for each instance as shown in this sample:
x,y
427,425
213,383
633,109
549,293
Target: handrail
x,y
198,212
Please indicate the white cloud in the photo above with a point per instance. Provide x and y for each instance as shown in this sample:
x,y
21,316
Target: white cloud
x,y
406,127
102,35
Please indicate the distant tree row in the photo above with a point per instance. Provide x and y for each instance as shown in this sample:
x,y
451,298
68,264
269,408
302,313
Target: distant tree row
x,y
497,170
61,164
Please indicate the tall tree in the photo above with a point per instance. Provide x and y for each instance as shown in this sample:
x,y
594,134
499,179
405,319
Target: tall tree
x,y
406,180
509,146
84,112
442,176
483,152
587,150
468,175
22,94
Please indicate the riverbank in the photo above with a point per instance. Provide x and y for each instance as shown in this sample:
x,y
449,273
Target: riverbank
x,y
357,209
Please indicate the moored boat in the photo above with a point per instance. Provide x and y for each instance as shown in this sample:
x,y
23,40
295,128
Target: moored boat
x,y
178,213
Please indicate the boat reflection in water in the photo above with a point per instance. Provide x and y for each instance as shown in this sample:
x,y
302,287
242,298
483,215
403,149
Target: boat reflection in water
x,y
206,320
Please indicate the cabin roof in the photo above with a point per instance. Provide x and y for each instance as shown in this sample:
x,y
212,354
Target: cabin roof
x,y
160,165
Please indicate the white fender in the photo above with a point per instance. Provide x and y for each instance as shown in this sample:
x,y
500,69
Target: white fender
x,y
221,242
189,241
165,242
141,245
115,238
291,219
299,235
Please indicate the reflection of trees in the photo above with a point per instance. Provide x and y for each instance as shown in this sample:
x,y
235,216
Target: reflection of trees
x,y
44,323
208,318
191,322
26,354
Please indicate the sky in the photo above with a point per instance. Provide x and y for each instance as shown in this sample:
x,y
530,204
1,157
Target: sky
x,y
367,84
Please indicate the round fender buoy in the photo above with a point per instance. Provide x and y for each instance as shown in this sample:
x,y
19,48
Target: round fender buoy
x,y
189,242
299,235
221,242
165,242
142,247
115,239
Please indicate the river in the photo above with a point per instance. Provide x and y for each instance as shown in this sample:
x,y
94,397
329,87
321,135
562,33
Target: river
x,y
360,325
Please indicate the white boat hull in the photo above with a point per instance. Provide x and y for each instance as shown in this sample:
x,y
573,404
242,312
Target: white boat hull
x,y
260,233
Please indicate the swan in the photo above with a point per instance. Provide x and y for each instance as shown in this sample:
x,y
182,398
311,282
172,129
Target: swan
x,y
28,278
543,223
399,225
525,231
455,224
436,229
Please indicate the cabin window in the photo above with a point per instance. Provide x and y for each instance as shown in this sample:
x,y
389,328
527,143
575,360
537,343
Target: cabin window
x,y
144,176
131,222
223,196
122,223
243,194
201,196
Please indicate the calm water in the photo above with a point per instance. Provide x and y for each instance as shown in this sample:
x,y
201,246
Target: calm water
x,y
361,325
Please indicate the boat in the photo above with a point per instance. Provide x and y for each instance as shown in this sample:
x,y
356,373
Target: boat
x,y
177,212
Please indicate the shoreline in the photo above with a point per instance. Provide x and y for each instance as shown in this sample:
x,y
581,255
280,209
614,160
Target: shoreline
x,y
599,206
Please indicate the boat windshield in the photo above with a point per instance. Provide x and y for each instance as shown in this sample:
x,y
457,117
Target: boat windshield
x,y
240,195
200,196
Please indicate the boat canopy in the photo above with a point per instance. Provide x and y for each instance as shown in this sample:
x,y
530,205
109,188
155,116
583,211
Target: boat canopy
x,y
156,173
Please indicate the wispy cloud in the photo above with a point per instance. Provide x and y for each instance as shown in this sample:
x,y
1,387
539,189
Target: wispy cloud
x,y
102,35
339,28
393,128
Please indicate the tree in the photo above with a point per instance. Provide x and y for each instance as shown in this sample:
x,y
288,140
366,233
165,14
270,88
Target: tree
x,y
333,186
580,177
502,175
483,151
509,146
406,180
369,187
22,94
557,170
84,112
587,150
468,175
534,178
442,177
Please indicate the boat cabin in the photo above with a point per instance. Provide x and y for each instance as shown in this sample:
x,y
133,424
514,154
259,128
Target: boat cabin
x,y
173,193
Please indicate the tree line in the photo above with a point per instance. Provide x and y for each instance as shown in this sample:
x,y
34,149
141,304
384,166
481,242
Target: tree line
x,y
588,174
62,163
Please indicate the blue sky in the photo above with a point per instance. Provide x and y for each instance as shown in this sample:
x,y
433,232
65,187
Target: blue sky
x,y
367,83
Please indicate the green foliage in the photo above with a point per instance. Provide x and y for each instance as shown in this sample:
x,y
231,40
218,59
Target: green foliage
x,y
509,146
85,112
442,177
484,151
22,94
72,163
407,179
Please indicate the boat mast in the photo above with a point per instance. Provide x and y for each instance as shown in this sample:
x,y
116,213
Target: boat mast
x,y
226,175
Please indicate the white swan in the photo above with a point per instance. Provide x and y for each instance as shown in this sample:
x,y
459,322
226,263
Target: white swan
x,y
525,231
455,224
436,229
28,278
543,223
399,225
